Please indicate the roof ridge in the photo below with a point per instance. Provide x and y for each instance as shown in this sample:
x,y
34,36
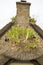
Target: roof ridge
x,y
6,28
37,29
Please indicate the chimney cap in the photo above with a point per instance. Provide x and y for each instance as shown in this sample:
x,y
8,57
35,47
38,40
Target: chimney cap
x,y
23,0
24,3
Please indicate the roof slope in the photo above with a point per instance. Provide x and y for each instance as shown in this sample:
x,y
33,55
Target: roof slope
x,y
6,28
37,29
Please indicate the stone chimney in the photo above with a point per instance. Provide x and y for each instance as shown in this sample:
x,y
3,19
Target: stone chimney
x,y
23,13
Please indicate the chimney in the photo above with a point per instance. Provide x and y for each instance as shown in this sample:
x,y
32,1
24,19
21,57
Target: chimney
x,y
23,13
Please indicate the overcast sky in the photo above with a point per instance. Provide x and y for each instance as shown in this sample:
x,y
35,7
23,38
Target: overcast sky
x,y
8,10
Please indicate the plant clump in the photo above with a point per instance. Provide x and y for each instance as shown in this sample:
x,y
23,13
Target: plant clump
x,y
28,34
32,20
13,19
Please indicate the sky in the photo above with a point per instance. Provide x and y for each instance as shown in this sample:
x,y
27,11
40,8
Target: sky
x,y
8,10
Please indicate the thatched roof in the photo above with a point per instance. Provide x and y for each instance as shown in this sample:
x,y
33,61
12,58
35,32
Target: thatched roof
x,y
7,50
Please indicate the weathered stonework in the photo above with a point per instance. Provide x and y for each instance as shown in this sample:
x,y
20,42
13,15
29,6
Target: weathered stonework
x,y
23,13
40,60
3,59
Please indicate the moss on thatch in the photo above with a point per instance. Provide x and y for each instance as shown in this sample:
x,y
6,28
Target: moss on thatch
x,y
16,34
